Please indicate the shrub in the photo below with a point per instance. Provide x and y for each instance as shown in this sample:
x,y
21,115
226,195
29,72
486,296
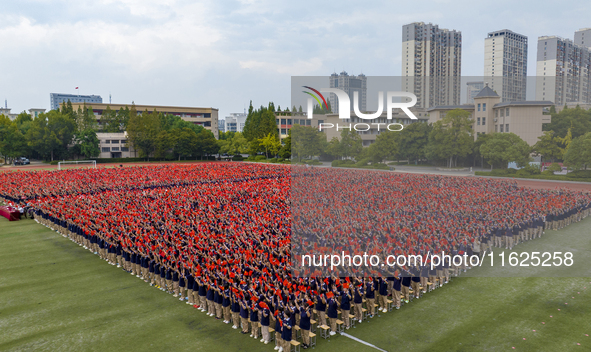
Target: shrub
x,y
362,162
237,157
580,174
260,158
531,169
554,167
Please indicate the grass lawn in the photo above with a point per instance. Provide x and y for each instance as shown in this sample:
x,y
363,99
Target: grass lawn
x,y
56,296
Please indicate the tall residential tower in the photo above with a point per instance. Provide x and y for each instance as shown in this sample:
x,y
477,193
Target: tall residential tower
x,y
349,84
431,64
505,64
563,71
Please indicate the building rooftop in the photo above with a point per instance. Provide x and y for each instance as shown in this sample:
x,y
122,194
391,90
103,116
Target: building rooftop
x,y
452,107
486,92
524,103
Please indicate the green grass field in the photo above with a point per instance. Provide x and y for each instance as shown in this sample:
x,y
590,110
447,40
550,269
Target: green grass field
x,y
56,296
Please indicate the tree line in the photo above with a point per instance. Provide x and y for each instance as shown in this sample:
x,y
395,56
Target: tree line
x,y
70,134
450,142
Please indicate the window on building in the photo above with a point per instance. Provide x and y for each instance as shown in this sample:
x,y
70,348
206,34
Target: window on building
x,y
507,128
107,141
114,141
507,112
289,121
283,131
277,121
483,121
320,121
124,149
502,112
478,121
483,106
308,122
283,121
478,107
114,149
501,128
105,149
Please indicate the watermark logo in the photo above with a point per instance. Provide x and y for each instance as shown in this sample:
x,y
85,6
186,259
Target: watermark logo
x,y
345,103
345,108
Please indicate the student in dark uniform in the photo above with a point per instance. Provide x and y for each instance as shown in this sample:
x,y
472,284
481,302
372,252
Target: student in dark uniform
x,y
235,307
264,314
254,322
358,300
305,324
202,295
278,327
370,296
406,280
286,333
383,292
321,307
396,288
226,304
243,317
210,301
346,304
332,312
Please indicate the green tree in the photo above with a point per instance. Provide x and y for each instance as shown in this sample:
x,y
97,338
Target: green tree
x,y
206,143
143,130
576,119
503,148
270,144
451,137
306,142
385,147
89,143
578,155
334,148
548,146
50,134
351,143
285,151
12,141
413,140
110,121
184,142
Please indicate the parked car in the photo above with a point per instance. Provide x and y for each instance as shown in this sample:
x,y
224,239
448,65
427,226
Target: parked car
x,y
21,161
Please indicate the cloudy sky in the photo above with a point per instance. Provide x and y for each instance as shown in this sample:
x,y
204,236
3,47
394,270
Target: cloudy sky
x,y
223,54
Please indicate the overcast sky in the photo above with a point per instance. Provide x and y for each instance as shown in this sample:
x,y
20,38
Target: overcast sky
x,y
223,54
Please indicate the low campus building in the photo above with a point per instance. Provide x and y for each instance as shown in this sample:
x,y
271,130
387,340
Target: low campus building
x,y
206,117
114,145
524,118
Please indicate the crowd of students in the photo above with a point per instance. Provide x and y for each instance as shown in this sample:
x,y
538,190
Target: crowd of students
x,y
226,238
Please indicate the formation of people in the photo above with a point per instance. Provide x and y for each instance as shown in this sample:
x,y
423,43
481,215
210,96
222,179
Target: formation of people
x,y
223,237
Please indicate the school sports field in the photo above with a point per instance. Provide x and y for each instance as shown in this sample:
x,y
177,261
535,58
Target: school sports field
x,y
56,296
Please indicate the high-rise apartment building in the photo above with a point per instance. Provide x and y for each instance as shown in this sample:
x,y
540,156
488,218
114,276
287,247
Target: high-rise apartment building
x,y
583,37
350,85
505,64
563,71
431,64
56,99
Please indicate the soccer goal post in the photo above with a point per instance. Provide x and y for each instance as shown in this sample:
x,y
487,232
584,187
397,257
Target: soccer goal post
x,y
91,163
